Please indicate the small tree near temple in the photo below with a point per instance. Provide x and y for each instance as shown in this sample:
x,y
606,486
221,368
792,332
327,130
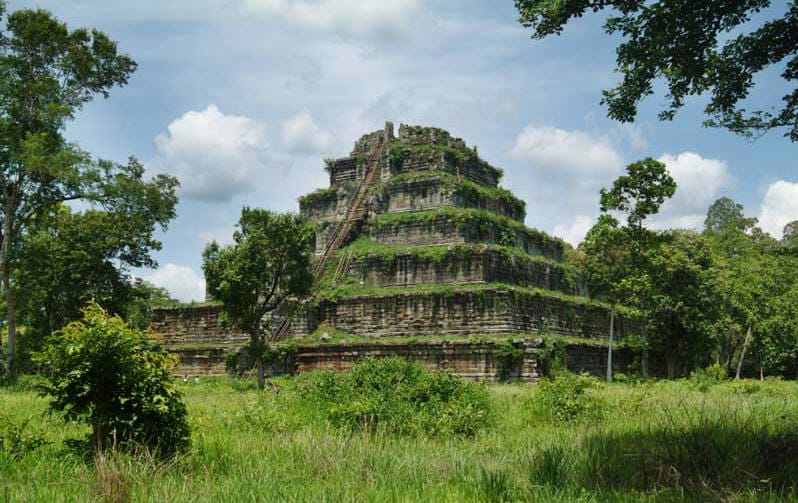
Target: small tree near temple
x,y
117,379
268,262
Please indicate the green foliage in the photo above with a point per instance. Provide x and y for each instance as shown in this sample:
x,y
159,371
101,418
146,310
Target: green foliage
x,y
508,359
399,396
117,379
473,193
481,221
551,357
682,301
660,441
724,214
568,397
18,439
639,193
49,73
705,378
462,157
321,196
719,52
268,262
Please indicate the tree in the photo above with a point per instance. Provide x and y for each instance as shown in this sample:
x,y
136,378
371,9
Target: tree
x,y
745,271
726,213
48,73
638,194
67,259
118,380
779,341
696,47
790,234
604,262
682,304
268,262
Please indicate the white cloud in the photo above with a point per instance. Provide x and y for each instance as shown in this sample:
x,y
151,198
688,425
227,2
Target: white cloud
x,y
779,207
215,156
567,153
182,282
343,17
574,232
301,134
699,182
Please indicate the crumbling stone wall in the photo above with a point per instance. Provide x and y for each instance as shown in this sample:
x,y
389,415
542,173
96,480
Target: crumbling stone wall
x,y
473,360
432,193
467,312
481,266
444,231
197,324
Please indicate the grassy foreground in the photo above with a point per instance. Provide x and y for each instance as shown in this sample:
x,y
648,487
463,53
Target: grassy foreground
x,y
659,441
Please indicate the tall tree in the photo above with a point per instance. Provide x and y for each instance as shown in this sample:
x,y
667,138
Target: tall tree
x,y
605,263
682,305
790,234
268,262
726,213
47,73
705,47
638,194
746,272
67,259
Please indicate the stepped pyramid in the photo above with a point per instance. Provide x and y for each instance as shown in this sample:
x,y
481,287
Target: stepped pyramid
x,y
418,246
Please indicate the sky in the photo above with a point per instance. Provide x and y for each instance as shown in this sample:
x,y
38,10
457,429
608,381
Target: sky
x,y
243,99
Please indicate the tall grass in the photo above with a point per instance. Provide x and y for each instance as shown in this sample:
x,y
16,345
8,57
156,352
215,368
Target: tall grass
x,y
661,441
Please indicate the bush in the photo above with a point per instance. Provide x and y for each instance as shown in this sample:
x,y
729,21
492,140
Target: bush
x,y
117,379
16,439
567,397
398,396
703,379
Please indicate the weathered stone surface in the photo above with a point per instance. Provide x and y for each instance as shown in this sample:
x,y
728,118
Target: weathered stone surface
x,y
484,265
471,360
425,194
193,325
467,312
444,230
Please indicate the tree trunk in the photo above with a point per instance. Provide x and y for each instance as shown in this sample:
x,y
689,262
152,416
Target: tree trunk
x,y
99,436
5,269
609,347
261,373
746,342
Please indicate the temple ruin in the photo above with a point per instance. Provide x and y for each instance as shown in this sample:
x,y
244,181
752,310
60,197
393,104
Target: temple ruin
x,y
420,253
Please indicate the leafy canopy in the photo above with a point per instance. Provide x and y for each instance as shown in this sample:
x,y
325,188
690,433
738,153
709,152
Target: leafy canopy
x,y
696,47
268,262
118,380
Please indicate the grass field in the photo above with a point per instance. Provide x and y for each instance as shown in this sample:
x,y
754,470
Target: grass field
x,y
657,441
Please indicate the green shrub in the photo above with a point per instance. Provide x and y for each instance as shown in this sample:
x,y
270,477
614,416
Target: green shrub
x,y
567,397
508,359
16,439
703,379
118,380
398,396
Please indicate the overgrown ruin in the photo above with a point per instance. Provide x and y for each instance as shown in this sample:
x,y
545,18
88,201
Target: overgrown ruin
x,y
420,254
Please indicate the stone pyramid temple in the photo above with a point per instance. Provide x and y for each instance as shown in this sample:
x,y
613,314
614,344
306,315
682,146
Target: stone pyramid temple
x,y
419,253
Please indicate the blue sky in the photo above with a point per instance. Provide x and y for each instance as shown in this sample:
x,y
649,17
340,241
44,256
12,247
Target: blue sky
x,y
242,99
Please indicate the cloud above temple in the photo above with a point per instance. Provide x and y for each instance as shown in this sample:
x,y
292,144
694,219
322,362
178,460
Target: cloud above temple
x,y
300,134
215,156
779,207
699,182
181,282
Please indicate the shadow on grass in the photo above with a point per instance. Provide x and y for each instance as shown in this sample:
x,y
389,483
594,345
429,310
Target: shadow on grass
x,y
708,454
